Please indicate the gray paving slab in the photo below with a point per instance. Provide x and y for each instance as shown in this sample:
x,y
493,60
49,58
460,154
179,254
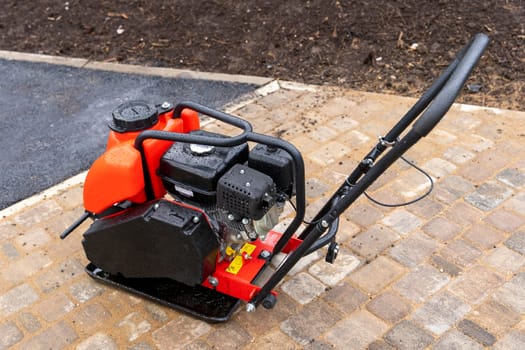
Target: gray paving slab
x,y
53,117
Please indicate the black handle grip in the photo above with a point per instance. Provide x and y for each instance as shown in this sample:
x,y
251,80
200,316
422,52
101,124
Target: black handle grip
x,y
444,99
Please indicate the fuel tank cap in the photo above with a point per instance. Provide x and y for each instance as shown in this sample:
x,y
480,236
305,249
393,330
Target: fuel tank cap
x,y
134,115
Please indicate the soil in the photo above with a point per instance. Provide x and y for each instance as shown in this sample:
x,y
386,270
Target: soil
x,y
381,46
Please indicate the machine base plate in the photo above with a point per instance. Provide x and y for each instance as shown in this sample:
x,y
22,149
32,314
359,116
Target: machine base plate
x,y
200,302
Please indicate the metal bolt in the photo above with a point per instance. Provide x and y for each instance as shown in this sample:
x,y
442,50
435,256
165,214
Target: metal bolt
x,y
166,105
156,206
248,184
265,254
250,307
231,217
195,219
245,221
241,172
324,224
213,281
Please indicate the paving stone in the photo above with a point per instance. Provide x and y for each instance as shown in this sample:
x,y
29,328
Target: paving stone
x,y
10,335
197,345
489,195
54,307
277,340
10,251
407,335
98,341
323,134
389,307
512,293
516,203
41,212
364,215
336,107
476,332
180,332
91,317
54,277
133,326
315,188
332,274
456,340
505,220
441,228
477,143
86,290
21,269
145,346
460,253
345,297
506,261
33,238
56,337
483,236
303,288
512,177
156,312
380,345
441,312
7,230
71,198
29,322
458,155
318,345
444,265
420,283
373,241
476,284
451,188
495,317
412,250
328,153
514,340
517,242
301,264
438,167
342,123
230,335
17,299
310,322
401,221
463,214
376,275
356,331
427,208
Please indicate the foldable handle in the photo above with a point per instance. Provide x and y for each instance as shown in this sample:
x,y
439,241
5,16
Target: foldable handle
x,y
444,99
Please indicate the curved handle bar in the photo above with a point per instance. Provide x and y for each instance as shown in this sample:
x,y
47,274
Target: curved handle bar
x,y
448,93
224,117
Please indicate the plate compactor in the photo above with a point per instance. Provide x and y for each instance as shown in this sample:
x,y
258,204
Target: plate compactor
x,y
185,217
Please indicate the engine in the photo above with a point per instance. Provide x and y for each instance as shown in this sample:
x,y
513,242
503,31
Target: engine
x,y
241,191
222,198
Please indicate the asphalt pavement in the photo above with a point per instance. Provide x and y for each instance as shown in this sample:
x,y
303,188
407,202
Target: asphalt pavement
x,y
53,118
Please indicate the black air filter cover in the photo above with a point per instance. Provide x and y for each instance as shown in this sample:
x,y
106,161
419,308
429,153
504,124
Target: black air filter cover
x,y
245,192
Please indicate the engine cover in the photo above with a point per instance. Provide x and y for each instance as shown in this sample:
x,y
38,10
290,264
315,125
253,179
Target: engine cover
x,y
154,240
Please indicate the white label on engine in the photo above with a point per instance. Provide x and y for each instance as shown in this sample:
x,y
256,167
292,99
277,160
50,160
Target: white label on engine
x,y
184,191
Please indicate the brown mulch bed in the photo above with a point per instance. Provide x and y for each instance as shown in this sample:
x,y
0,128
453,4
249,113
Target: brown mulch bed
x,y
383,46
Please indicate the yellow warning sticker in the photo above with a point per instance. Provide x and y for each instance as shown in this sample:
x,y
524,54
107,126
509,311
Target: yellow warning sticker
x,y
248,248
235,266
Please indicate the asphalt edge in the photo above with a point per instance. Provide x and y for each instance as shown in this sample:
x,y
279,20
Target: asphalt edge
x,y
133,69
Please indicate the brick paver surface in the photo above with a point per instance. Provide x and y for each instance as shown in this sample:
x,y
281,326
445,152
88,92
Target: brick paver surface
x,y
446,272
